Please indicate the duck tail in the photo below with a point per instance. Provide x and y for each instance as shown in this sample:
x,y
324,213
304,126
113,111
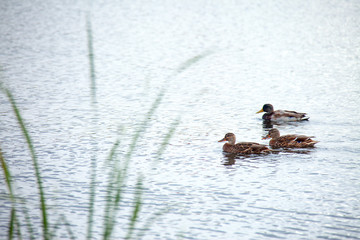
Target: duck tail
x,y
312,143
267,150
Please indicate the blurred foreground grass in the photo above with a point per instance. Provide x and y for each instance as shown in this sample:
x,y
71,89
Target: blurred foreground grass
x,y
116,178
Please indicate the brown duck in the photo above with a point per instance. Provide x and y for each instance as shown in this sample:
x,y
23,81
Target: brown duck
x,y
281,115
242,147
289,141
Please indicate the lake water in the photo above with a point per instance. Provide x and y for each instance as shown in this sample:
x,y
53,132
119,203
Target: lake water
x,y
219,62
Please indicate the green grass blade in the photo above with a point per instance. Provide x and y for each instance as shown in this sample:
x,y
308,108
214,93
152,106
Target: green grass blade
x,y
92,198
108,210
161,150
93,102
109,207
13,220
144,124
117,181
114,197
91,57
150,221
27,220
167,138
137,207
11,224
139,190
35,164
7,176
67,227
192,61
18,229
55,227
112,153
62,221
14,225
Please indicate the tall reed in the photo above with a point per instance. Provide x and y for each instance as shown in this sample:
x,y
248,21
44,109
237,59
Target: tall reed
x,y
95,121
8,181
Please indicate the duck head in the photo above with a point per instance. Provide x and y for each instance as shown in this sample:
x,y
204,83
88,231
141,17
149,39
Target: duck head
x,y
273,133
266,108
229,137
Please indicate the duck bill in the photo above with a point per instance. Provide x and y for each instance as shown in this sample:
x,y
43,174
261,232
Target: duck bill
x,y
266,137
260,111
222,140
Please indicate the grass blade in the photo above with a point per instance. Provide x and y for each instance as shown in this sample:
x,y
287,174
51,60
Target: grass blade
x,y
167,138
13,220
91,58
27,220
7,175
109,207
192,61
92,197
11,224
144,124
151,220
137,207
118,176
161,150
67,226
35,164
60,221
93,102
56,227
17,224
112,153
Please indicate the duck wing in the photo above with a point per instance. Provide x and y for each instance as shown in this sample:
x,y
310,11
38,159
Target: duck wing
x,y
242,146
294,140
303,138
253,147
283,141
292,137
287,115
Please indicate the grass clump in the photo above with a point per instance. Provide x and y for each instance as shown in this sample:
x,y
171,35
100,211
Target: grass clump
x,y
116,178
115,186
43,207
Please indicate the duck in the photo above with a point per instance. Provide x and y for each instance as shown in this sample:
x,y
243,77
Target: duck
x,y
281,115
242,147
289,141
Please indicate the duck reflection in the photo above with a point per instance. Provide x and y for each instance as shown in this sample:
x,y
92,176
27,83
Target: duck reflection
x,y
267,125
229,159
294,151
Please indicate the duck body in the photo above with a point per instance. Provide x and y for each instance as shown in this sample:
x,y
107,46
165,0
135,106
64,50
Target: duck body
x,y
281,115
242,147
290,140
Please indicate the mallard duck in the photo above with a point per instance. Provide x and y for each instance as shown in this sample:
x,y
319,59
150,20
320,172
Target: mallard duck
x,y
281,115
289,141
242,147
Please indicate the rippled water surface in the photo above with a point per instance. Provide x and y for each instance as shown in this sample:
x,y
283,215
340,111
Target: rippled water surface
x,y
218,62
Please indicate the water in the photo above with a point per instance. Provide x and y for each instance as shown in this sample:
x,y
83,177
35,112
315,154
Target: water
x,y
219,63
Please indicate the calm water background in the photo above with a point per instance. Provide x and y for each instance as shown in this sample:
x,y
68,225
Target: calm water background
x,y
219,62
